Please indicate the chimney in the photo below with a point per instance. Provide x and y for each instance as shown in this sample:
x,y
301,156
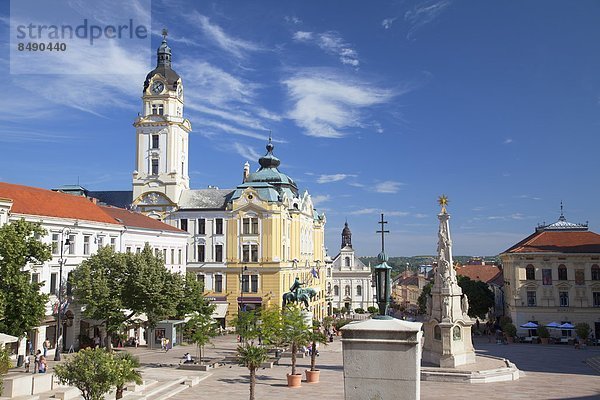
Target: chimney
x,y
246,171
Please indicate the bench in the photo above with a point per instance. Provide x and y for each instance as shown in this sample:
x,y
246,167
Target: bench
x,y
195,367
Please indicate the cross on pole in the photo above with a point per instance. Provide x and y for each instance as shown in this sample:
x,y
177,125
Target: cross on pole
x,y
164,33
383,232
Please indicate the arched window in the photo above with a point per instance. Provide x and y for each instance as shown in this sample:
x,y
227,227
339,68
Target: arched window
x,y
595,272
437,333
530,272
347,290
562,272
347,261
336,290
359,290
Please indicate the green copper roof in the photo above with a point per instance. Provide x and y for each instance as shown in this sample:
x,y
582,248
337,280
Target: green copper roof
x,y
270,184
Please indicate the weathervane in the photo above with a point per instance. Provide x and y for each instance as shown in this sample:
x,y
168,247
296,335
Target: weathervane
x,y
443,201
165,32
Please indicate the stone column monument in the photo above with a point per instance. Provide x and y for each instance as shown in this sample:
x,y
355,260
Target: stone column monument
x,y
448,331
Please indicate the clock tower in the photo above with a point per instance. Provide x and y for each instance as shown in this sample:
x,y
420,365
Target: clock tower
x,y
161,173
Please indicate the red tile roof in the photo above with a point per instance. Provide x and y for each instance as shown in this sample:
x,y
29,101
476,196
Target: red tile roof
x,y
483,273
35,201
558,242
136,220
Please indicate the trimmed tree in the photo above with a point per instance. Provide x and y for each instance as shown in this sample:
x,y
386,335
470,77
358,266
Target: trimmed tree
x,y
5,365
251,357
19,247
92,371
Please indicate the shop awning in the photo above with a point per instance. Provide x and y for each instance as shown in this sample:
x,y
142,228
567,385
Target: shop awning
x,y
220,310
4,338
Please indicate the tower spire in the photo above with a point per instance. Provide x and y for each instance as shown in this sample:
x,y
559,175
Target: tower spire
x,y
163,53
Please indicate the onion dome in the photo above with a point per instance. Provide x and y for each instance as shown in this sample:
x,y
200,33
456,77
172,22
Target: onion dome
x,y
268,173
346,236
163,66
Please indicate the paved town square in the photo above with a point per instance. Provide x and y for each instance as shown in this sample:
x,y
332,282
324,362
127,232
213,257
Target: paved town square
x,y
548,372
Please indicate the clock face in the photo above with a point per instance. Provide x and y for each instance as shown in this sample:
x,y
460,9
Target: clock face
x,y
180,91
158,87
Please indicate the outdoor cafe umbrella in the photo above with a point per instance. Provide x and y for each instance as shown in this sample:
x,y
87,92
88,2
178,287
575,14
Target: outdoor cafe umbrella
x,y
566,326
529,326
553,325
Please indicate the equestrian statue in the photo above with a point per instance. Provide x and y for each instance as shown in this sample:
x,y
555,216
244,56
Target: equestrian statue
x,y
298,294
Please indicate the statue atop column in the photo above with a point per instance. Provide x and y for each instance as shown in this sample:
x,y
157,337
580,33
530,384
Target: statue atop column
x,y
447,306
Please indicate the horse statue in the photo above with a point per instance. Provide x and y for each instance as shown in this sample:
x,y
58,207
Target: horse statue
x,y
304,296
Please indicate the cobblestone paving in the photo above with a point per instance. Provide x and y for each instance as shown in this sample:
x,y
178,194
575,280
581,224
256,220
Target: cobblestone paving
x,y
550,372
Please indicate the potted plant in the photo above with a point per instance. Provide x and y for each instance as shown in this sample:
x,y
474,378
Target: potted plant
x,y
544,334
316,336
583,332
510,330
125,371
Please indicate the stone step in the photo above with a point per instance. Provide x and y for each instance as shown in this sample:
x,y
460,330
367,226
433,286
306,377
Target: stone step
x,y
163,388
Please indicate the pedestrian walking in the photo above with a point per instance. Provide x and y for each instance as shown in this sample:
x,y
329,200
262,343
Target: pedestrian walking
x,y
46,346
27,362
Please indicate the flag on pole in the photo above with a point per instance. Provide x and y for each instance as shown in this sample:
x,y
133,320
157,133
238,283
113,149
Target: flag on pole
x,y
314,273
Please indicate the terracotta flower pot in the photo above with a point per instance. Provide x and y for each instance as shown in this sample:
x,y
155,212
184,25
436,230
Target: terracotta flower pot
x,y
510,339
312,376
294,381
545,340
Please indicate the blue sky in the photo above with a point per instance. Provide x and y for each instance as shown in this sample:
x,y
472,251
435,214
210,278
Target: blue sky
x,y
374,107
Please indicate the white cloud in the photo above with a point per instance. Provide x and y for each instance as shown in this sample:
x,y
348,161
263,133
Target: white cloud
x,y
396,213
423,14
419,215
331,42
326,104
508,141
387,23
364,211
292,19
318,199
388,187
302,36
235,46
247,152
333,178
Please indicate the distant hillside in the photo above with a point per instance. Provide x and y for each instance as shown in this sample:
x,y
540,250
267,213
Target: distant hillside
x,y
398,264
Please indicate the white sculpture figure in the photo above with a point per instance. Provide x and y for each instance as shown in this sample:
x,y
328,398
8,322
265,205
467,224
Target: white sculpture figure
x,y
464,302
446,309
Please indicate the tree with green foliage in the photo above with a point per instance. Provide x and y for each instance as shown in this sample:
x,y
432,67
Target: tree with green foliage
x,y
92,371
125,372
5,365
201,328
422,300
246,326
252,357
481,298
114,287
583,330
20,247
295,331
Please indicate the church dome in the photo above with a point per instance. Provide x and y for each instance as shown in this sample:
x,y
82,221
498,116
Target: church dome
x,y
269,173
346,231
163,66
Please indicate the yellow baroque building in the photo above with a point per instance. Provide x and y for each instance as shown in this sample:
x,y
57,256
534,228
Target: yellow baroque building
x,y
273,236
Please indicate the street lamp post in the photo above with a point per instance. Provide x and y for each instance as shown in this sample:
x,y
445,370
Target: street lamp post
x,y
61,263
242,288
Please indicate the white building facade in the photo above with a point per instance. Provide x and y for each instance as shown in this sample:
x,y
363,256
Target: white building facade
x,y
351,279
87,227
